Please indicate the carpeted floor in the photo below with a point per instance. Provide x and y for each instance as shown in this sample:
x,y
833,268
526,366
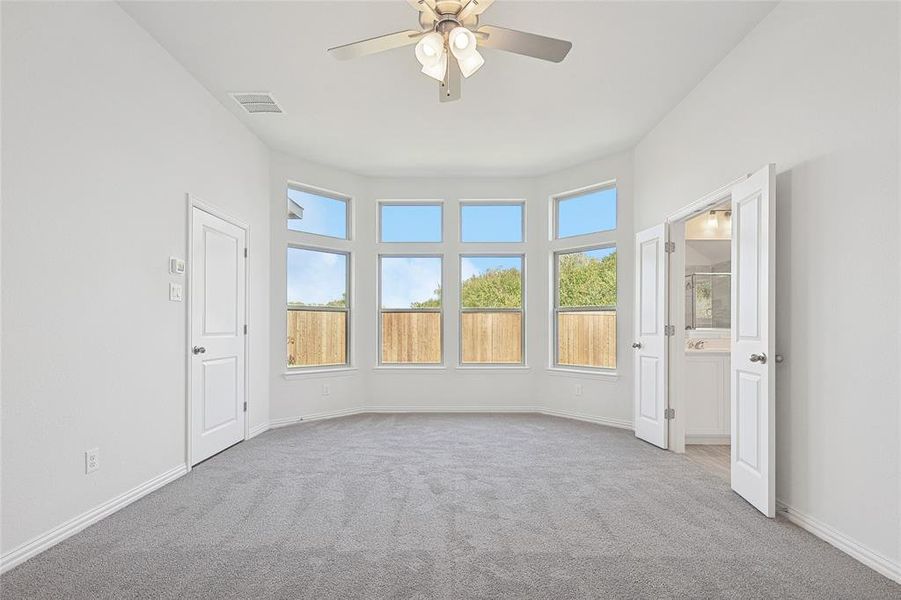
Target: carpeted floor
x,y
444,506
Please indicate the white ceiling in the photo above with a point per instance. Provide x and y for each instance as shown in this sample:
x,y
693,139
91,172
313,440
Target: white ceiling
x,y
630,64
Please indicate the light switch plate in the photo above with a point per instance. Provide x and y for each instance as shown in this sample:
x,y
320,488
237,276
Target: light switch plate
x,y
176,266
175,292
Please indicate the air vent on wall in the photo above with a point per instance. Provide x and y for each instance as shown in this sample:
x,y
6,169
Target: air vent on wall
x,y
256,102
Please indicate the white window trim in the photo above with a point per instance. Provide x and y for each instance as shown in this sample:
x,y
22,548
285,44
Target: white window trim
x,y
556,309
440,310
485,202
348,354
556,199
408,202
521,310
331,195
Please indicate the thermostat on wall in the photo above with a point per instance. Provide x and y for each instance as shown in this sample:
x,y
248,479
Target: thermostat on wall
x,y
176,266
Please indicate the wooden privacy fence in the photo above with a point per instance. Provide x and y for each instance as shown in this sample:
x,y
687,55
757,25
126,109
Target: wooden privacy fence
x,y
492,337
587,338
317,337
411,337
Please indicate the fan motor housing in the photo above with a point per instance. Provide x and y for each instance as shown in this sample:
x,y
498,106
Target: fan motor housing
x,y
448,9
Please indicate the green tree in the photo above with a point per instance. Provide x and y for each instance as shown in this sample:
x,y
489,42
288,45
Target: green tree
x,y
433,302
495,288
336,303
587,281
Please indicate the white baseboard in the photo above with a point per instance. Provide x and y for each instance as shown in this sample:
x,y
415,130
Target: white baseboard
x,y
450,408
610,422
876,561
708,439
257,430
40,543
285,421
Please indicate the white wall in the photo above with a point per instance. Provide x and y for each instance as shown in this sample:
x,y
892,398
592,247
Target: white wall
x,y
814,88
103,135
450,387
604,398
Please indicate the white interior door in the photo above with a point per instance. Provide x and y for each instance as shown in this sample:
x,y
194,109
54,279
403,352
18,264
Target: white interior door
x,y
753,340
217,334
650,336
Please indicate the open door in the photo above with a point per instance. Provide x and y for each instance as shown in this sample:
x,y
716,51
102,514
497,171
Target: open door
x,y
753,340
650,336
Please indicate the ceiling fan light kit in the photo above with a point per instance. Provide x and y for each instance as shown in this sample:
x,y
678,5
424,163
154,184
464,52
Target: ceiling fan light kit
x,y
451,28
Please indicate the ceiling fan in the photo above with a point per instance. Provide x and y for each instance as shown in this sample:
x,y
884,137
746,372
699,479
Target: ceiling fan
x,y
448,40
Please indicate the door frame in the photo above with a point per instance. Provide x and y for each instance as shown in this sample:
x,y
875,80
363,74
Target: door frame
x,y
192,203
675,222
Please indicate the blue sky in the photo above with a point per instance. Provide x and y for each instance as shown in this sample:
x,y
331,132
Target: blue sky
x,y
319,277
411,223
321,215
491,222
471,266
589,213
316,277
408,279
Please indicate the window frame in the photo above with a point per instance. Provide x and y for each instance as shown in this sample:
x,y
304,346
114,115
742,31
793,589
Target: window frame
x,y
331,195
348,362
381,311
487,202
590,189
521,310
408,203
557,309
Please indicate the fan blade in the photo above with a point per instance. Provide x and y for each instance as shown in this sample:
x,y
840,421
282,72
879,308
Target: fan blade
x,y
426,6
377,44
449,89
520,42
475,7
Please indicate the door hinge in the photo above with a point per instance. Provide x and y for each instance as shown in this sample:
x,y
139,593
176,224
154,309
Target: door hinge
x,y
245,407
669,413
669,330
245,330
245,252
670,247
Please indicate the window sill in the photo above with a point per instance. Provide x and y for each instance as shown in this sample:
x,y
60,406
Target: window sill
x,y
587,373
478,368
411,368
318,372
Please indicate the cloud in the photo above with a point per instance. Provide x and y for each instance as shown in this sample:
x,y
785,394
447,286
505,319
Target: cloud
x,y
316,277
409,279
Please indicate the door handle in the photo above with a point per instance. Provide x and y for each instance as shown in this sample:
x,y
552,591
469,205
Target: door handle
x,y
198,350
637,345
759,358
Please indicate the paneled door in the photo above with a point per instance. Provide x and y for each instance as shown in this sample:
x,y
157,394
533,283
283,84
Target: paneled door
x,y
753,340
217,351
650,341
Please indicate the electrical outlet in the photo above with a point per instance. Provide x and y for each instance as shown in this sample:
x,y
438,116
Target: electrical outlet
x,y
91,460
326,389
578,389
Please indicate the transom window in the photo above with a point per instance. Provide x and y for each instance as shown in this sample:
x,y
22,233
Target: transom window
x,y
585,212
491,309
318,307
410,310
585,296
410,222
492,222
317,213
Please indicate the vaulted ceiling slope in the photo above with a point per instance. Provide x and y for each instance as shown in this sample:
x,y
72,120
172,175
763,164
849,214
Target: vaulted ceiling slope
x,y
630,64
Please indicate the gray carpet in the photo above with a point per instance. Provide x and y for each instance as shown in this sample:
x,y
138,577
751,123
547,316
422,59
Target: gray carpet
x,y
444,506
